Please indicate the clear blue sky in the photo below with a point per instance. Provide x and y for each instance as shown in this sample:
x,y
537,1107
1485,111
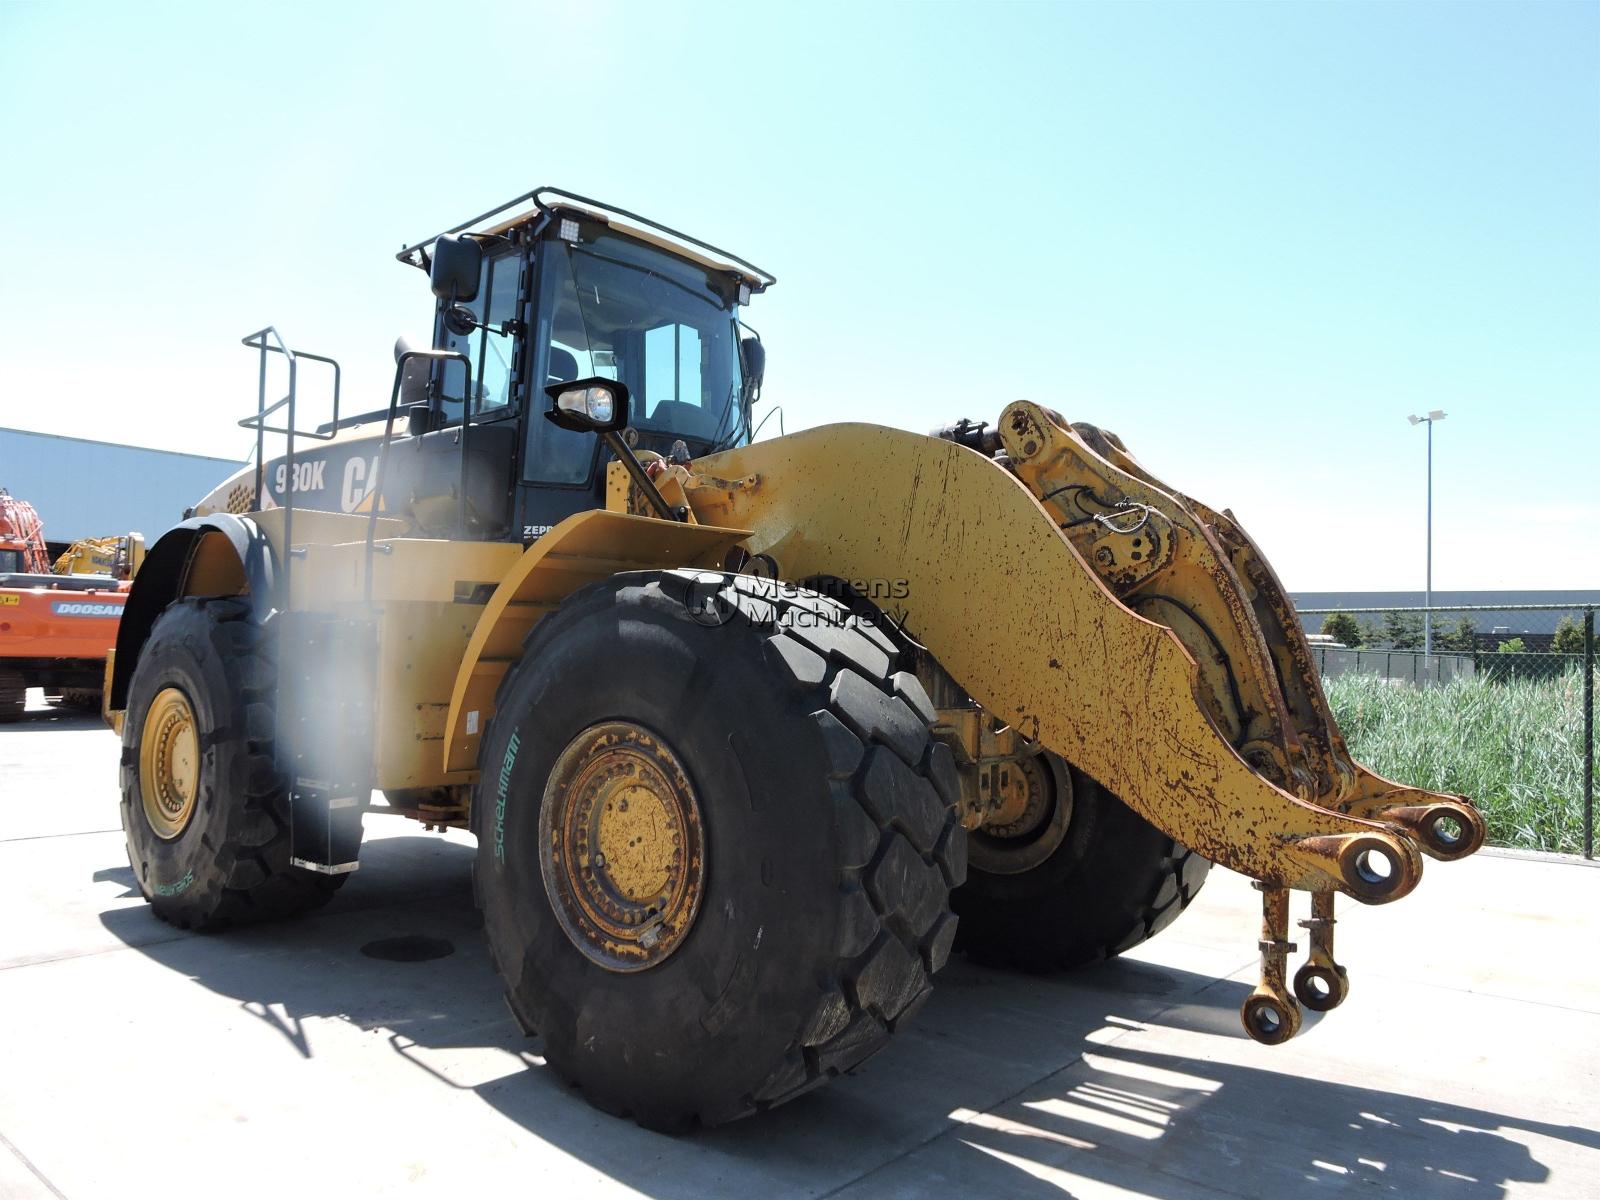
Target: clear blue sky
x,y
1249,238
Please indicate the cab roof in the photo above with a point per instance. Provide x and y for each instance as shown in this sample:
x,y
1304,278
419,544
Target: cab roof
x,y
546,203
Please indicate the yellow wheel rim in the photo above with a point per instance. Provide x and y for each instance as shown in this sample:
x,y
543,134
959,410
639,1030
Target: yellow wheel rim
x,y
621,848
1033,810
169,763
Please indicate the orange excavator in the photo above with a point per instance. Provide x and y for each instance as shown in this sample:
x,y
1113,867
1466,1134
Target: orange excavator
x,y
57,622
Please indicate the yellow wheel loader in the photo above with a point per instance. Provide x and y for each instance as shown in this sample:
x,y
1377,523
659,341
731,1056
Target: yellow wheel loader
x,y
751,735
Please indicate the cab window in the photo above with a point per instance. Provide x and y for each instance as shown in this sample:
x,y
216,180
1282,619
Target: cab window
x,y
553,454
672,367
491,350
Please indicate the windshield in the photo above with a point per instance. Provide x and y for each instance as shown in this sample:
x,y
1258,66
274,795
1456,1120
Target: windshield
x,y
10,560
615,308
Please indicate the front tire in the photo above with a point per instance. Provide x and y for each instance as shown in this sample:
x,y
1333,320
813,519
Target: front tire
x,y
804,832
1111,881
204,808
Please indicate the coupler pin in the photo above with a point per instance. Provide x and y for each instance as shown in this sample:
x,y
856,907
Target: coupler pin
x,y
1321,983
1270,1014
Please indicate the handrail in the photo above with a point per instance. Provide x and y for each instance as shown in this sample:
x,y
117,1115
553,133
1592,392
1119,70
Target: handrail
x,y
547,200
258,341
375,492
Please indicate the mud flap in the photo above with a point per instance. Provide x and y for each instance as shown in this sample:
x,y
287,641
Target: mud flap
x,y
328,672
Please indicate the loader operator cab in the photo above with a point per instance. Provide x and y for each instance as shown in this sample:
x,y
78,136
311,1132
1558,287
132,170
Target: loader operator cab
x,y
567,291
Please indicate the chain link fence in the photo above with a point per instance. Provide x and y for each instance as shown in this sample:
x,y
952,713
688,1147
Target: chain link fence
x,y
1495,702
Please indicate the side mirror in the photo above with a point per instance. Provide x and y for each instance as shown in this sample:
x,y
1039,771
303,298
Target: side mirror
x,y
755,363
589,405
460,320
457,263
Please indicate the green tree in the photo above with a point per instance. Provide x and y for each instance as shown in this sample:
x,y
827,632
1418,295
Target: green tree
x,y
1371,635
1342,628
1402,630
1514,646
1463,636
1569,637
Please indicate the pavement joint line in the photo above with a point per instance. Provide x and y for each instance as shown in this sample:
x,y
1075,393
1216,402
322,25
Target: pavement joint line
x,y
1442,987
28,1162
185,935
1077,1057
1467,991
1540,856
42,837
60,958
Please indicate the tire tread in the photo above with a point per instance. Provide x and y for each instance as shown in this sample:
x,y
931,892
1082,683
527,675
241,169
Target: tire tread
x,y
259,848
895,926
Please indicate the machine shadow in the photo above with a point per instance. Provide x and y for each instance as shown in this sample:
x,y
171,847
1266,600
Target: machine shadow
x,y
55,717
1037,1080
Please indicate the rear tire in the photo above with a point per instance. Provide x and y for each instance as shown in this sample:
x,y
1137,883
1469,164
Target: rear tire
x,y
1114,881
225,856
826,821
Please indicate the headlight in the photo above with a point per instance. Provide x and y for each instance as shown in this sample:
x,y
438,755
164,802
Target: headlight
x,y
600,405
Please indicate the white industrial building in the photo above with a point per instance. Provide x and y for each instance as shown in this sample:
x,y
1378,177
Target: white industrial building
x,y
83,488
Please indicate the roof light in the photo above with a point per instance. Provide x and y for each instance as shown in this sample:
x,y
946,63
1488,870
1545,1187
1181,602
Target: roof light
x,y
569,230
744,293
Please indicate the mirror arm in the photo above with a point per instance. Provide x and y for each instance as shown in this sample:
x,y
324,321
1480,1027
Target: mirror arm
x,y
630,462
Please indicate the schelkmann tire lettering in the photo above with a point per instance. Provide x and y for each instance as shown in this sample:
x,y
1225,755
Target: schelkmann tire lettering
x,y
513,744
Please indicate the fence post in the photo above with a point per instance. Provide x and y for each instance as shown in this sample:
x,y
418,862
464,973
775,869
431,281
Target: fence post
x,y
1588,733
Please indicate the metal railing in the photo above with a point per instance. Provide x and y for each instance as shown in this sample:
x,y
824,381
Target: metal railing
x,y
1526,683
259,341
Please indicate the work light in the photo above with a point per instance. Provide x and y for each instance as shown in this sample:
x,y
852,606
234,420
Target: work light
x,y
589,405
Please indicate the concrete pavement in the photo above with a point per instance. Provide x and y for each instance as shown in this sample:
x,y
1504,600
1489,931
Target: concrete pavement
x,y
138,1060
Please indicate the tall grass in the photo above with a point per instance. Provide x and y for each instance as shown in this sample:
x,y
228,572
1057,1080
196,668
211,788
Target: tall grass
x,y
1514,747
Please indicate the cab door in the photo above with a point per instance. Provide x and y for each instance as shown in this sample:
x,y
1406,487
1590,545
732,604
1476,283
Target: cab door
x,y
473,437
561,471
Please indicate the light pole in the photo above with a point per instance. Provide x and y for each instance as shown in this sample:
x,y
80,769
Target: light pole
x,y
1437,414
